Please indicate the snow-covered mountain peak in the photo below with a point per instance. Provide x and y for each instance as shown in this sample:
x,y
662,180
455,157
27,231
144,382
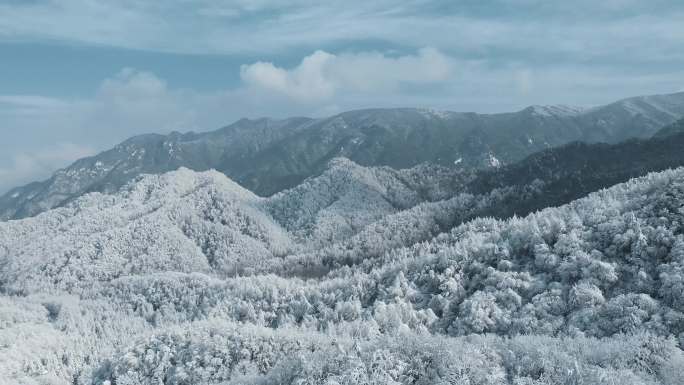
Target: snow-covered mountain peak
x,y
184,182
179,221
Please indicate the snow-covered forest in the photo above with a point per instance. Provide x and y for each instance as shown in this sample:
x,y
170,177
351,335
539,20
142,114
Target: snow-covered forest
x,y
357,276
269,192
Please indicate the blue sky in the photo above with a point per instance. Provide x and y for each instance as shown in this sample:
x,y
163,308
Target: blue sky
x,y
77,76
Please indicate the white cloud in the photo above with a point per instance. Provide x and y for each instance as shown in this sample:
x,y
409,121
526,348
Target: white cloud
x,y
129,103
40,163
321,75
308,81
133,101
28,105
129,82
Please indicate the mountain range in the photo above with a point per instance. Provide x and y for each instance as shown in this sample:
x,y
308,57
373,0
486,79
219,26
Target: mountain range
x,y
267,156
187,221
399,246
184,278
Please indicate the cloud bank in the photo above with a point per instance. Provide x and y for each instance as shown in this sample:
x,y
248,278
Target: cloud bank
x,y
25,167
321,75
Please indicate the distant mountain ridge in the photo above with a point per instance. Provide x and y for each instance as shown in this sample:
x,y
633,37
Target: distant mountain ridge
x,y
572,171
268,156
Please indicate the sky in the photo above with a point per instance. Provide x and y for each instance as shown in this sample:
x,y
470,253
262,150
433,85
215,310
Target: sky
x,y
79,76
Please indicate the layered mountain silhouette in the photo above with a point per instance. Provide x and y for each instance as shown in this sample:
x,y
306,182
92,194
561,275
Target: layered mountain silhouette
x,y
187,276
267,156
190,221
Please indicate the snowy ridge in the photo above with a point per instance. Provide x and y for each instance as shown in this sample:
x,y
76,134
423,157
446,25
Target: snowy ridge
x,y
188,221
341,201
137,287
179,221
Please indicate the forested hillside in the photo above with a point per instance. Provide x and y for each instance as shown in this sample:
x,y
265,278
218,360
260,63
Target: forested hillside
x,y
587,292
264,192
568,172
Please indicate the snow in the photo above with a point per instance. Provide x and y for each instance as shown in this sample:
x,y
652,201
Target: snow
x,y
165,283
641,106
634,108
356,141
557,110
186,277
493,161
339,202
432,113
138,153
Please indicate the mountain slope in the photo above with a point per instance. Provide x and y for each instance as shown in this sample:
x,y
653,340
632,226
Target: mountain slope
x,y
674,128
582,293
145,154
550,178
267,156
188,221
179,221
346,197
569,172
347,214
